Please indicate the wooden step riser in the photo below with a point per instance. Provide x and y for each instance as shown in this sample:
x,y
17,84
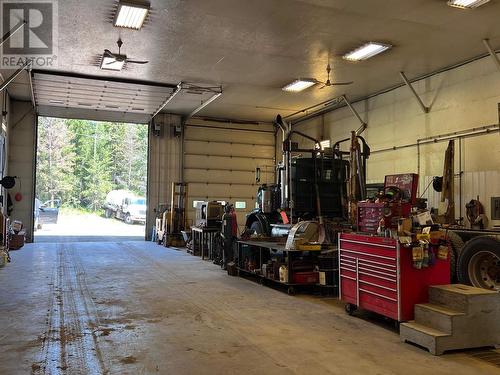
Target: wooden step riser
x,y
435,345
464,298
453,301
434,319
438,345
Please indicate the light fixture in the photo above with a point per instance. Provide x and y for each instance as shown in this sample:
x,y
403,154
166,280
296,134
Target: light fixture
x,y
467,4
131,14
111,63
325,144
299,85
366,51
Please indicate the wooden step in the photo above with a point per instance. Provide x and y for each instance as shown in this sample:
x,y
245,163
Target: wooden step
x,y
424,336
441,309
462,298
463,289
425,329
436,316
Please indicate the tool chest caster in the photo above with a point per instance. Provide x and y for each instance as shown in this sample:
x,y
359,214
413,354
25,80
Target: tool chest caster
x,y
350,308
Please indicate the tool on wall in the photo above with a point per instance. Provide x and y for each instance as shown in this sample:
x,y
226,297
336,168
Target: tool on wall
x,y
475,214
447,205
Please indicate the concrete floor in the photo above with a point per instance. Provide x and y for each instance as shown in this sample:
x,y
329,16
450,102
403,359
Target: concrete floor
x,y
138,308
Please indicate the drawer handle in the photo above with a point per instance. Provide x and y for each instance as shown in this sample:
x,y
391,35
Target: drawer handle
x,y
378,295
379,286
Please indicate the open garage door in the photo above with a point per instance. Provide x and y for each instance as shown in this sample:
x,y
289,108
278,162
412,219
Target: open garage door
x,y
96,98
220,162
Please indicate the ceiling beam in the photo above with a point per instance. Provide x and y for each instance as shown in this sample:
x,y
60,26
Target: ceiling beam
x,y
168,100
492,53
410,86
203,105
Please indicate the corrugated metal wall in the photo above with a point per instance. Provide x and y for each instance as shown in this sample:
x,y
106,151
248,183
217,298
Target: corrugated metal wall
x,y
484,184
220,161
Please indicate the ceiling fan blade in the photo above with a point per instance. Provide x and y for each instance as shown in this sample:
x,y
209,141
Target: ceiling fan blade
x,y
107,52
322,87
136,61
342,83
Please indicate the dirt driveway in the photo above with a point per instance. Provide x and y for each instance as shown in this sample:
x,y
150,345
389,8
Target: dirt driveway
x,y
83,227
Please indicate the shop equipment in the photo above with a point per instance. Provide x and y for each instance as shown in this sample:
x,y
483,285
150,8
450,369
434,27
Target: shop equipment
x,y
209,214
177,218
272,262
311,184
229,234
399,195
378,274
206,232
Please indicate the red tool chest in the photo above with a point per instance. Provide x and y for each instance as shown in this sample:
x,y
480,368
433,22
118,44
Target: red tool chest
x,y
377,274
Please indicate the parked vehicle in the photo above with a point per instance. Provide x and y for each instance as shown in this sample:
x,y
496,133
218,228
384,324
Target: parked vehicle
x,y
49,212
124,205
476,257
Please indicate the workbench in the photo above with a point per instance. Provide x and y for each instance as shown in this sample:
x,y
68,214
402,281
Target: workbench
x,y
204,241
260,252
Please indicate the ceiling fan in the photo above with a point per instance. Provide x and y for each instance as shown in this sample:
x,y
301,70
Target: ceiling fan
x,y
329,83
116,61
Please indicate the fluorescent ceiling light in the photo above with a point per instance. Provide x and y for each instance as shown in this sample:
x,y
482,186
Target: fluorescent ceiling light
x,y
110,63
366,51
299,85
467,4
131,14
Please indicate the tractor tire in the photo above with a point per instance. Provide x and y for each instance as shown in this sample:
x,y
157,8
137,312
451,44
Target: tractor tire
x,y
456,248
479,263
108,213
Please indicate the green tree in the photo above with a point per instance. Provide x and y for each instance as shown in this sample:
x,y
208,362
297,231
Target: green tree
x,y
82,161
55,160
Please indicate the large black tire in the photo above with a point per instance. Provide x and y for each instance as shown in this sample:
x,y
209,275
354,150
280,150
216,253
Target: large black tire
x,y
456,248
108,213
479,263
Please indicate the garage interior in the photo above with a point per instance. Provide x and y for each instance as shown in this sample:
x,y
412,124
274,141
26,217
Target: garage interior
x,y
323,188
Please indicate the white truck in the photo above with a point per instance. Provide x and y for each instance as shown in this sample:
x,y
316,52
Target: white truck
x,y
125,205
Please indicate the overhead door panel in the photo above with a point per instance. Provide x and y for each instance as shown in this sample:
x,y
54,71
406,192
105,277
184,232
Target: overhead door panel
x,y
97,98
220,163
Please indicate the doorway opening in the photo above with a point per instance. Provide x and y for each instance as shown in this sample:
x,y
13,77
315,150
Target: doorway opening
x,y
91,180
